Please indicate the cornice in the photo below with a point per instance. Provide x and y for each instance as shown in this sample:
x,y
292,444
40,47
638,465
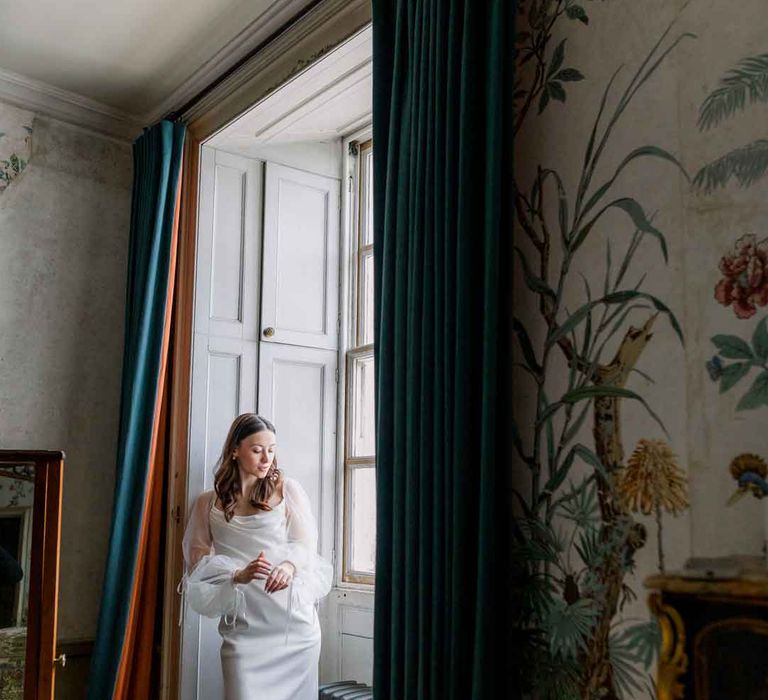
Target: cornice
x,y
75,109
68,107
313,35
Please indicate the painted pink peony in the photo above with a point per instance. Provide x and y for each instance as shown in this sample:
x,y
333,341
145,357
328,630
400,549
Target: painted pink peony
x,y
745,276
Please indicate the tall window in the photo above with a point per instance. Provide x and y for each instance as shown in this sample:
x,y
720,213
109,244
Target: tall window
x,y
360,443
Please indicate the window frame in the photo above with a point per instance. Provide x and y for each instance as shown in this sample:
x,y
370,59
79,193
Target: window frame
x,y
350,348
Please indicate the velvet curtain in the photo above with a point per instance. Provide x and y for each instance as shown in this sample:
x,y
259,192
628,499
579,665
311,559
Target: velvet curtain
x,y
122,664
443,226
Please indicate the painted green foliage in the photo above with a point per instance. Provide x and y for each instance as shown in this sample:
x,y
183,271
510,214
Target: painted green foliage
x,y
745,84
744,285
748,359
575,542
13,166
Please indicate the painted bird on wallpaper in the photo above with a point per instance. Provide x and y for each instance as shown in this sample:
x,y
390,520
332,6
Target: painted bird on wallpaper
x,y
750,471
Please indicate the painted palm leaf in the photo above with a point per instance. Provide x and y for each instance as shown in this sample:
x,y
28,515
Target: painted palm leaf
x,y
568,627
748,81
746,165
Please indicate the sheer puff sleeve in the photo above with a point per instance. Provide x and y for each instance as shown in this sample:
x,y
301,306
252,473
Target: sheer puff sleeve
x,y
208,581
314,575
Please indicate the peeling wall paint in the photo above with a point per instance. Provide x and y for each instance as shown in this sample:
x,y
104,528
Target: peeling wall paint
x,y
63,249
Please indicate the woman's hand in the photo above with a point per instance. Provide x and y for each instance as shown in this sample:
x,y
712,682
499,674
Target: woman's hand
x,y
280,577
259,568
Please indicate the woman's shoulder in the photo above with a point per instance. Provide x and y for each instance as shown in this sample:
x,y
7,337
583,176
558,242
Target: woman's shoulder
x,y
205,499
291,485
293,491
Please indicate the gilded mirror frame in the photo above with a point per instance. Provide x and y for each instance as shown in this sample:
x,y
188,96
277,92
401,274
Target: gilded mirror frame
x,y
43,585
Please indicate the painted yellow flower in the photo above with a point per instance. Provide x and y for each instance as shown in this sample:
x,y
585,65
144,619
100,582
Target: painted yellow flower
x,y
750,471
747,462
652,480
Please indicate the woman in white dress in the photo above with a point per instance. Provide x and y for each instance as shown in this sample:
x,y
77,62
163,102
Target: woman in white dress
x,y
251,553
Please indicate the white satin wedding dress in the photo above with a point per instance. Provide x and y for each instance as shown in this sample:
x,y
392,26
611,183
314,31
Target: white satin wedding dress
x,y
270,641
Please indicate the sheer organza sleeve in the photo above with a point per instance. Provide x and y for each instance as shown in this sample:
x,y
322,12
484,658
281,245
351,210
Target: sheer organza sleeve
x,y
198,541
314,575
208,581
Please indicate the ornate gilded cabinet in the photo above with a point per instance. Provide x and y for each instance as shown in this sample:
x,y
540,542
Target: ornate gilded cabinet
x,y
714,636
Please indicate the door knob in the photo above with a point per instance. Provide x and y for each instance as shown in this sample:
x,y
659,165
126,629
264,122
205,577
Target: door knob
x,y
61,659
269,332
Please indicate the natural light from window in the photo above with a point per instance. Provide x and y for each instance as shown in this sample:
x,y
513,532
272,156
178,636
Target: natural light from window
x,y
360,448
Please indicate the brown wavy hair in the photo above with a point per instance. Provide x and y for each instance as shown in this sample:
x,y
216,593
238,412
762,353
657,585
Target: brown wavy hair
x,y
226,480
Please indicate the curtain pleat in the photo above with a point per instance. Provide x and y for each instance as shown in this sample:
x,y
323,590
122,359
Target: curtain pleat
x,y
442,112
139,664
132,568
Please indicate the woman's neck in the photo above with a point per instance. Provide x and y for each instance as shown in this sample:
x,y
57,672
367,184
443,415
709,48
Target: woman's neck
x,y
247,482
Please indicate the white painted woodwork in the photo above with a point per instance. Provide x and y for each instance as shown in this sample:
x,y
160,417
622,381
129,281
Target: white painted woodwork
x,y
301,258
348,636
223,386
296,385
224,358
326,102
356,655
284,222
228,256
297,391
319,157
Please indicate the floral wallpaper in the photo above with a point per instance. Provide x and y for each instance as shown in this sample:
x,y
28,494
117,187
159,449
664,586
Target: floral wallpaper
x,y
17,486
743,287
744,284
15,143
740,364
641,185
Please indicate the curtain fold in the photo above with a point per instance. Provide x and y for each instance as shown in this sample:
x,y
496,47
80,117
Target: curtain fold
x,y
442,117
126,627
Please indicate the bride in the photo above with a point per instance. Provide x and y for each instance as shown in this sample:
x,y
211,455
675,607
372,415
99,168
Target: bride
x,y
250,549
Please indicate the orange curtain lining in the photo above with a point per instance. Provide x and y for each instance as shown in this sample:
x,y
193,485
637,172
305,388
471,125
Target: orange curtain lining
x,y
135,669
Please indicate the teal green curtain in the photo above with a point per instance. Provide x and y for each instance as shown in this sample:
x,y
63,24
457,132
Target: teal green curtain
x,y
442,123
157,163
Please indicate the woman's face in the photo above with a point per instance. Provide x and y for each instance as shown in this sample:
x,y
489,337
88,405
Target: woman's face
x,y
256,453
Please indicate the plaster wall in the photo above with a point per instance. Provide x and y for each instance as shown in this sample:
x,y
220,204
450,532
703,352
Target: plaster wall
x,y
64,222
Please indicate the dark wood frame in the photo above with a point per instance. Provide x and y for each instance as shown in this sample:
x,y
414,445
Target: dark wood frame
x,y
42,615
319,30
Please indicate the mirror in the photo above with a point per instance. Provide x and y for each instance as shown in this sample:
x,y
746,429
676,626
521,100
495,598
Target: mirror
x,y
17,489
30,517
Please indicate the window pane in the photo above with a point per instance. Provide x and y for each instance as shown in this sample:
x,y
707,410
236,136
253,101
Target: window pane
x,y
366,201
363,516
366,299
363,417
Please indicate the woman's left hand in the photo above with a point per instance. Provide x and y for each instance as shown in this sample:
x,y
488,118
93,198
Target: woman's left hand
x,y
280,577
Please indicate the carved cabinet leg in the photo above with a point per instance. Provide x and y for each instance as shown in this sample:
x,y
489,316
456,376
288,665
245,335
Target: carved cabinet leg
x,y
673,661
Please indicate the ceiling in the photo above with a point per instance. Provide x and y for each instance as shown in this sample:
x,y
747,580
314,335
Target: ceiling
x,y
132,55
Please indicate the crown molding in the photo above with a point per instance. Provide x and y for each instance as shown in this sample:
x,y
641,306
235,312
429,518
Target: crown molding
x,y
318,31
275,17
290,52
323,82
77,110
68,107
